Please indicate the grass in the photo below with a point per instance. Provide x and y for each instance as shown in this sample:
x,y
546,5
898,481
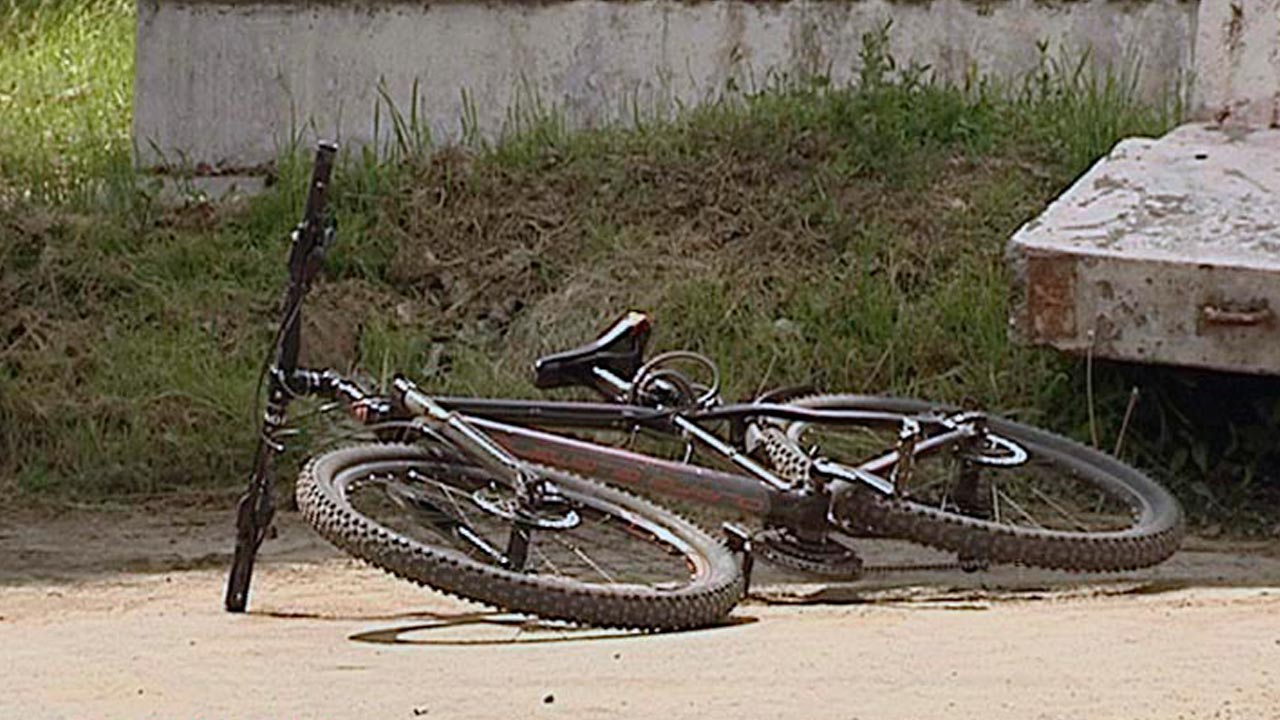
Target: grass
x,y
850,237
66,89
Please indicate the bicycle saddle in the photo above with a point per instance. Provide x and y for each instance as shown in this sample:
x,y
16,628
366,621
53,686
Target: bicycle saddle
x,y
619,349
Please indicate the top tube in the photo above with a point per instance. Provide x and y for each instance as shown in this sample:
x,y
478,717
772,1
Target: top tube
x,y
563,413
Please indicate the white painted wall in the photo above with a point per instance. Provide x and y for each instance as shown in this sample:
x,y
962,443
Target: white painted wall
x,y
227,83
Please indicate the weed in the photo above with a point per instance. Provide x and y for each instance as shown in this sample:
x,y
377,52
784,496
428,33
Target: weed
x,y
1079,111
850,237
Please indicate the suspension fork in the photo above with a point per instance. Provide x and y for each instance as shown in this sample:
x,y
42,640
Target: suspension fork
x,y
256,508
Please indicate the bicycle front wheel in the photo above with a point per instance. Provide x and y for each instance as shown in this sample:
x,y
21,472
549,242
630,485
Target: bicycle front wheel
x,y
607,558
1066,507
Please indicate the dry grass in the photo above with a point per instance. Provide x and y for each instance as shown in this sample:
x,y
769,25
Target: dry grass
x,y
850,238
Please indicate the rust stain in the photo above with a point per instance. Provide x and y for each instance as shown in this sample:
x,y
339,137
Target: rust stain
x,y
1051,296
1235,29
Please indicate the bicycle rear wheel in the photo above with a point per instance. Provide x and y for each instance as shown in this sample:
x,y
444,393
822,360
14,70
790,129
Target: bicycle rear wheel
x,y
426,515
1066,507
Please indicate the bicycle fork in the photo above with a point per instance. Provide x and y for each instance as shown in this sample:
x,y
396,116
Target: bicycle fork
x,y
306,254
256,508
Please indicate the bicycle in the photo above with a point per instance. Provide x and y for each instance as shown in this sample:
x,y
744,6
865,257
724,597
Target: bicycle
x,y
506,503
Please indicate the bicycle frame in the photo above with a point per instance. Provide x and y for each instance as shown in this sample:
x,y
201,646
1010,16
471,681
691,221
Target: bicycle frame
x,y
497,433
756,492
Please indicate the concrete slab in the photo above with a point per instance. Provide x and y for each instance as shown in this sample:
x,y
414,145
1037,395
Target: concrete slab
x,y
1167,250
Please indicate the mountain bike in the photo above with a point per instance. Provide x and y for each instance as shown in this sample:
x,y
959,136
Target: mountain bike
x,y
536,506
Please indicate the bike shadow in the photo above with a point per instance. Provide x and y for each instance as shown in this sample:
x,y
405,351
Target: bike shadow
x,y
496,628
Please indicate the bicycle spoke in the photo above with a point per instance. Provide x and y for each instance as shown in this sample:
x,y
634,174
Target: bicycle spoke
x,y
1020,509
918,489
457,526
449,493
1061,510
537,550
443,508
585,558
1019,492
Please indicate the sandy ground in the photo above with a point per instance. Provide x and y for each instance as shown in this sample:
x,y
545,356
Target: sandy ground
x,y
118,615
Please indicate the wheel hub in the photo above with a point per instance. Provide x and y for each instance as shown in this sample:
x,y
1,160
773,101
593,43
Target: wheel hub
x,y
552,513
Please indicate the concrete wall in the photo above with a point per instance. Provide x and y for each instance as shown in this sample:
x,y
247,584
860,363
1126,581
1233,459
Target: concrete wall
x,y
226,83
1238,61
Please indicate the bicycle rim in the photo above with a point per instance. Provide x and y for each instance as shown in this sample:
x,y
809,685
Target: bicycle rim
x,y
1067,507
597,555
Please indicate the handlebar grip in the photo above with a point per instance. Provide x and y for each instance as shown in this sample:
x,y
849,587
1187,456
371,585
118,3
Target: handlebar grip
x,y
318,195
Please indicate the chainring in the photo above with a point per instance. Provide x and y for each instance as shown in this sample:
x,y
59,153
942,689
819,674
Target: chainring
x,y
828,558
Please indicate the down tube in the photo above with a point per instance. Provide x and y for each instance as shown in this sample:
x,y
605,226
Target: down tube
x,y
672,479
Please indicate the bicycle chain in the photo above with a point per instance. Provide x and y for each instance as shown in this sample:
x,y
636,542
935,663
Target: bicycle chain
x,y
865,571
911,567
793,465
777,548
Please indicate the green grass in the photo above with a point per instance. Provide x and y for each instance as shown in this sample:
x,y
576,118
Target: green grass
x,y
66,89
850,237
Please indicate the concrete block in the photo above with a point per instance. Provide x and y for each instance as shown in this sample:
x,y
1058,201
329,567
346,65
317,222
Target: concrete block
x,y
1167,250
1237,62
